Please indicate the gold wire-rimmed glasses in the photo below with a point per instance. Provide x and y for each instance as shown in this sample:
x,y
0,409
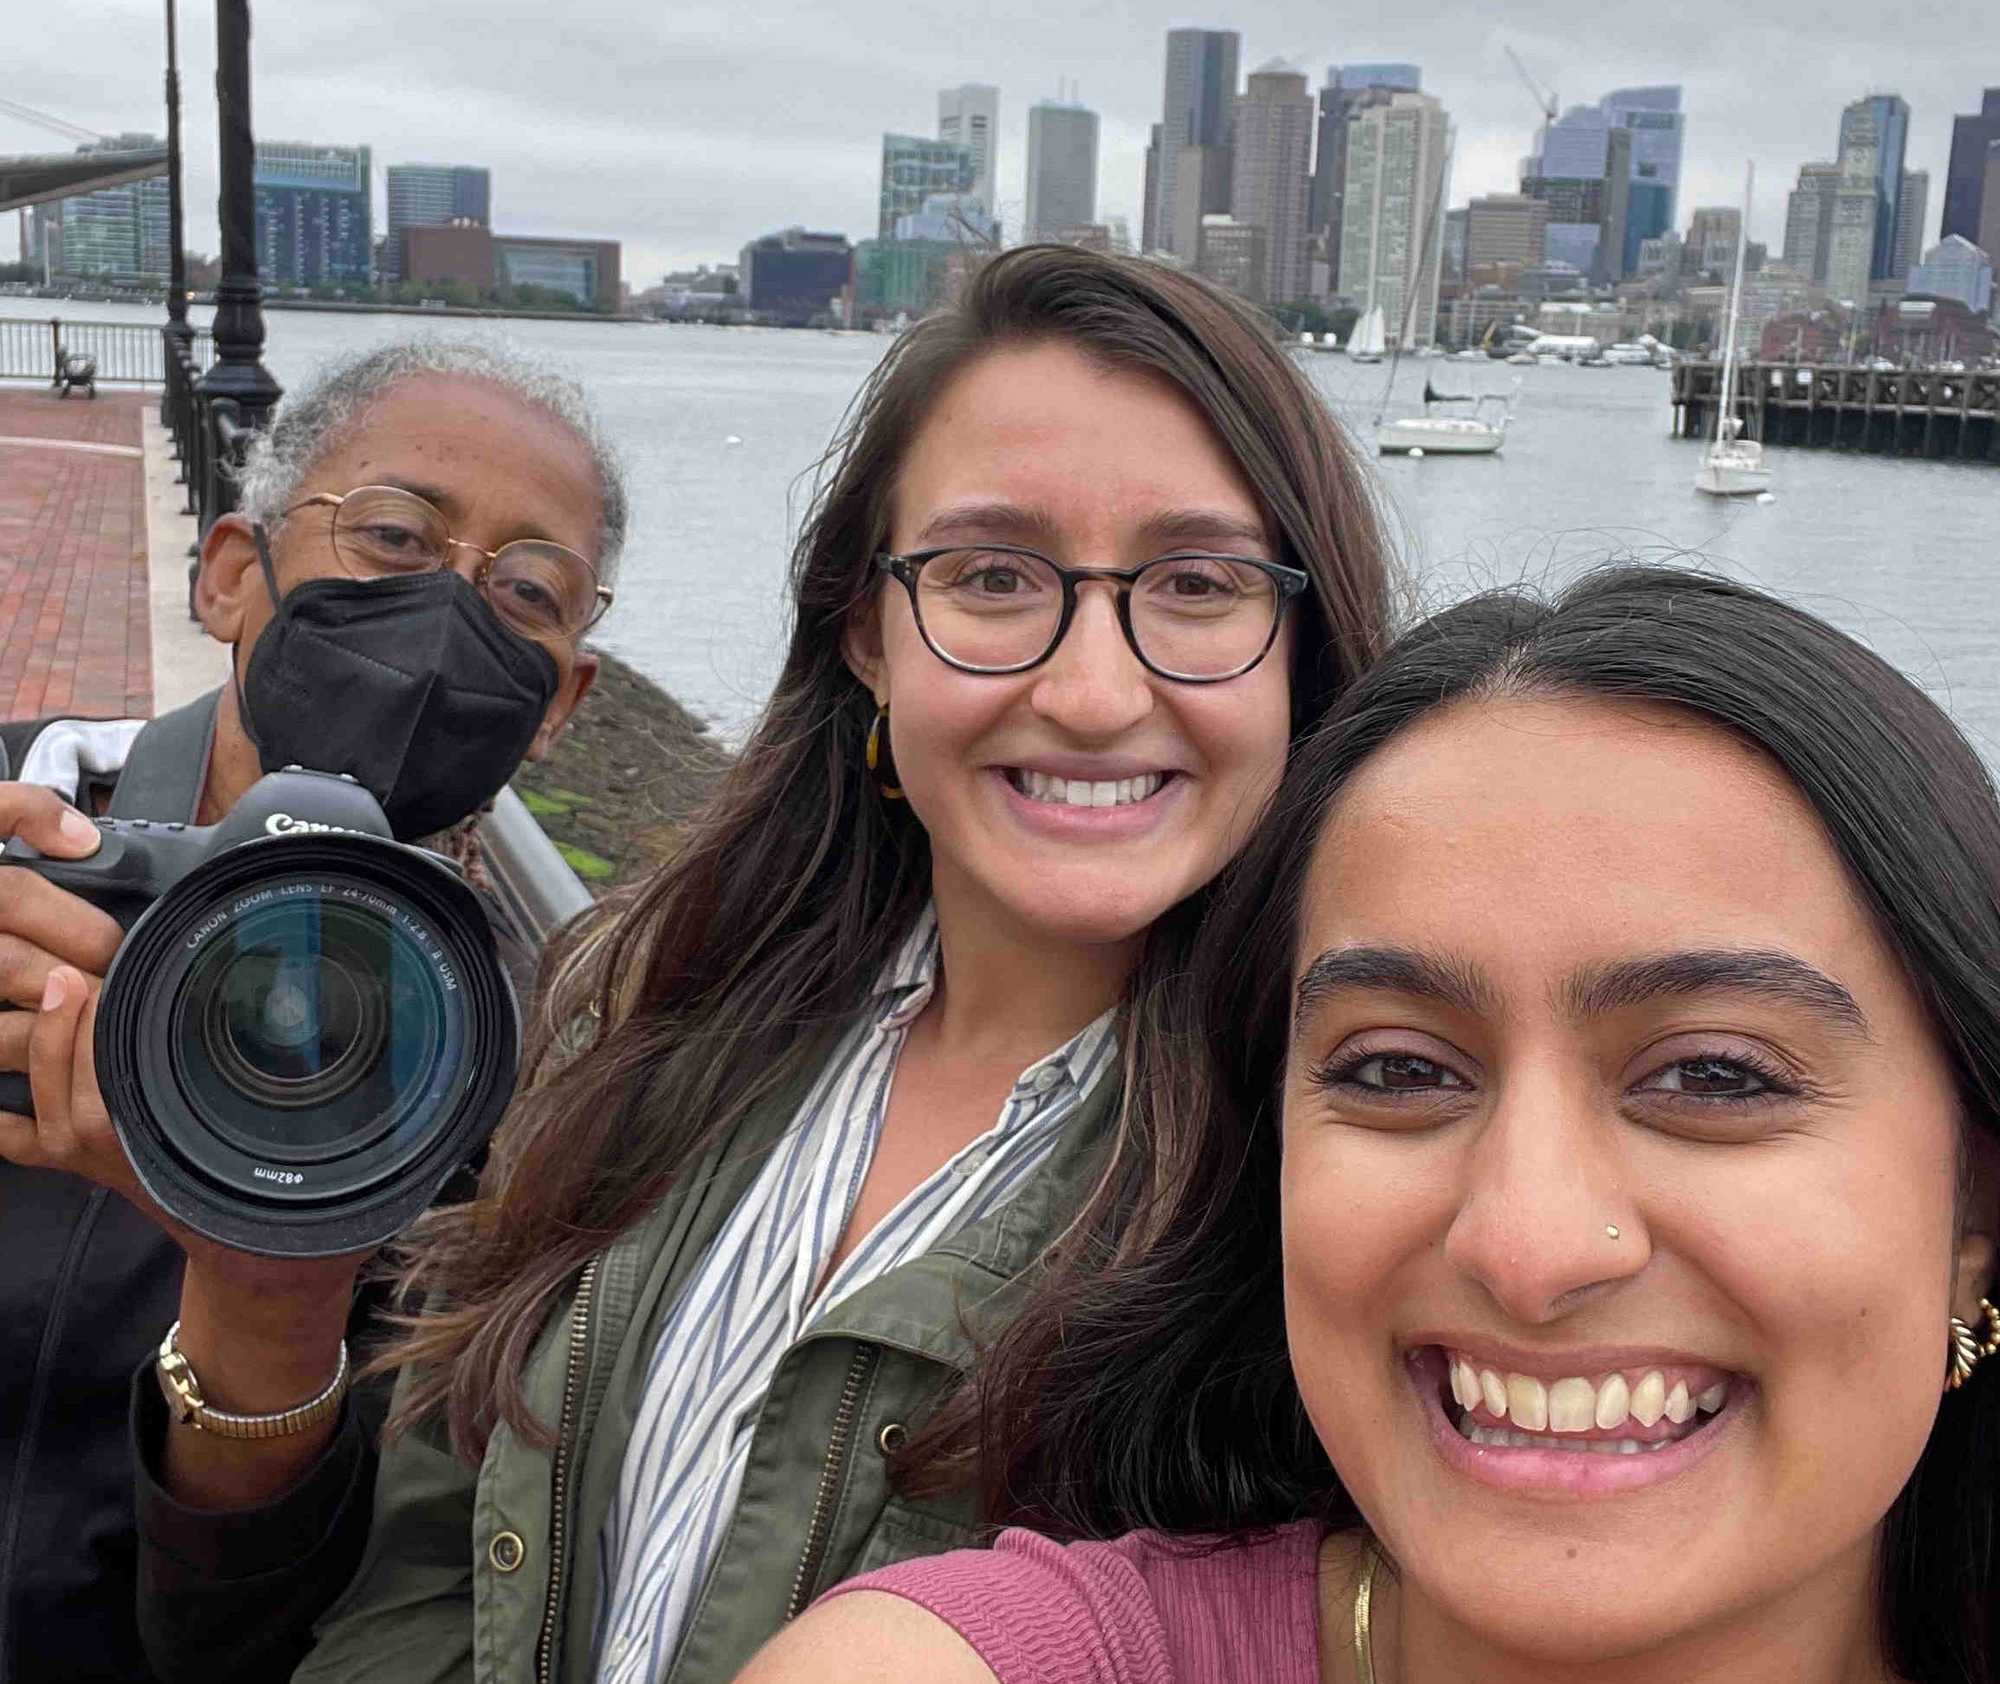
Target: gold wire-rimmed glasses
x,y
540,588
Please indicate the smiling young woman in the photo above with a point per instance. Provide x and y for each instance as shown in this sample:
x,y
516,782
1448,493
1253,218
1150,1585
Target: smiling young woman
x,y
1091,558
1581,1263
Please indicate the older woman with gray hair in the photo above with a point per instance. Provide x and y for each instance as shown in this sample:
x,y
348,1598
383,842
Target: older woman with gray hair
x,y
426,534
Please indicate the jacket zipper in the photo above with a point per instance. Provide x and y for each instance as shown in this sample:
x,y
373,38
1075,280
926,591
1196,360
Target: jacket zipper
x,y
819,1530
579,1341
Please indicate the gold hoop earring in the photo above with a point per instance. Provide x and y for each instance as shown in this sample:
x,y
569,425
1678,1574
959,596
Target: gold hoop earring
x,y
1968,1350
873,755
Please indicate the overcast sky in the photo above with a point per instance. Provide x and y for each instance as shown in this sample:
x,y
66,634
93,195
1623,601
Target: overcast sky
x,y
684,129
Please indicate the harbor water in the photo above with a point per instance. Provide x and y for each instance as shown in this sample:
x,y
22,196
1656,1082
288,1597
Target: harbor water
x,y
720,430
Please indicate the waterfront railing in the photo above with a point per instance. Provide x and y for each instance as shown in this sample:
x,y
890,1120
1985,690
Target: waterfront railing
x,y
126,353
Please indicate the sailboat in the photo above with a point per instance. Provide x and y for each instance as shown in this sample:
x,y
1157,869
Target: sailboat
x,y
1478,434
1370,340
1734,465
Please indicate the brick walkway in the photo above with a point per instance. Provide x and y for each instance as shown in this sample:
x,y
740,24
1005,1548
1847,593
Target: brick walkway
x,y
74,635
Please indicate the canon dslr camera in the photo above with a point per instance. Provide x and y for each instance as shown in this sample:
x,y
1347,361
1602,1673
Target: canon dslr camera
x,y
306,1031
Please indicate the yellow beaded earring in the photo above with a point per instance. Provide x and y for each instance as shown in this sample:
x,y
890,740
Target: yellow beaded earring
x,y
877,753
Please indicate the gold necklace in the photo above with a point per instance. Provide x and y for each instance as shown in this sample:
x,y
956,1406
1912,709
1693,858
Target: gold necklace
x,y
1364,1594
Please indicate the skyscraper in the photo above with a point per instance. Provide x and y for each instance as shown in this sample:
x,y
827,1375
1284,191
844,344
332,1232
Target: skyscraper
x,y
430,195
1877,127
1809,220
314,213
1392,212
914,169
1576,147
1348,88
969,116
1912,209
1854,207
1196,111
1149,209
1062,169
1270,182
1965,177
1711,239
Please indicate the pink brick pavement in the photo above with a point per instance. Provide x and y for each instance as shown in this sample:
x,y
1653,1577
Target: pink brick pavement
x,y
74,633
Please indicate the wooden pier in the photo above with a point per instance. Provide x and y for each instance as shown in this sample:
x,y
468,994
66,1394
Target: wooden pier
x,y
1924,412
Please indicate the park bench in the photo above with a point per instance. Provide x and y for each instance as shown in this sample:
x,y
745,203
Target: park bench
x,y
72,371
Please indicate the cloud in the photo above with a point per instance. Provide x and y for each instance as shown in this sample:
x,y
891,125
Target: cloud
x,y
686,130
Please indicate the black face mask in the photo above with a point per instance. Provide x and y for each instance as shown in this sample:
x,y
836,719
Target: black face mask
x,y
412,686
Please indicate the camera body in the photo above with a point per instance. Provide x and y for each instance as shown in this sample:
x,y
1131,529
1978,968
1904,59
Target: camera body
x,y
307,1030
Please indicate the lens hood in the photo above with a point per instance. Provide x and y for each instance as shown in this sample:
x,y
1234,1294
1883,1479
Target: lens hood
x,y
304,1038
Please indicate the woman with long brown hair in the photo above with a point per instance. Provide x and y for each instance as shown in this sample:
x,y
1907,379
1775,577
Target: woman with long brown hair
x,y
1089,559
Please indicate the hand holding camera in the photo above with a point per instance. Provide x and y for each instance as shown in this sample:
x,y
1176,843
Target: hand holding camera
x,y
305,1032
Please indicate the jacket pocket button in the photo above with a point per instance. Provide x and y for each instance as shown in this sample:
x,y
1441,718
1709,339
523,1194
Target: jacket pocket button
x,y
506,1552
892,1438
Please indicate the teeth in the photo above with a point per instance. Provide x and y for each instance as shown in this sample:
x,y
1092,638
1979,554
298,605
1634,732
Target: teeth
x,y
1574,1404
1508,1439
1080,792
1571,1405
1649,1399
1614,1399
1527,1402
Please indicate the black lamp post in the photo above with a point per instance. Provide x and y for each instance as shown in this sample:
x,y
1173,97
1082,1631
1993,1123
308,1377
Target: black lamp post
x,y
239,374
177,310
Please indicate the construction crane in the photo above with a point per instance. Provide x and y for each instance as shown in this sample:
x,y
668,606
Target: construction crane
x,y
41,119
1551,107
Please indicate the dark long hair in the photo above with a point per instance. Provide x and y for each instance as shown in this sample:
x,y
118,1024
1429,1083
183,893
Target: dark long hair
x,y
1151,1386
663,1021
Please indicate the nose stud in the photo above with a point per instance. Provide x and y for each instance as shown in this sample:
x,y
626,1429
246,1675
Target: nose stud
x,y
1610,1230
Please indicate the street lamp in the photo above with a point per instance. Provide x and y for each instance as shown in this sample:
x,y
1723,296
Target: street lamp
x,y
177,322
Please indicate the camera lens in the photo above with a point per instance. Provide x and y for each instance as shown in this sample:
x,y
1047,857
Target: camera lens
x,y
303,1038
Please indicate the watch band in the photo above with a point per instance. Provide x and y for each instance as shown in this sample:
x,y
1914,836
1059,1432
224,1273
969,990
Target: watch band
x,y
185,1403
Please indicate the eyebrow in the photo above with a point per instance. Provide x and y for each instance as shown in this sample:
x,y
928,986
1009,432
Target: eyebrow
x,y
1167,528
435,495
1770,974
1392,970
1594,991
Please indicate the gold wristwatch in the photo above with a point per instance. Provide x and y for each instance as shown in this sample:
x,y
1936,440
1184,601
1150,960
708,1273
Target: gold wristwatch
x,y
185,1403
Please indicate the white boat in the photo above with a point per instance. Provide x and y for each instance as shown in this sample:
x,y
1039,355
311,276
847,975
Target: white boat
x,y
1468,355
1370,342
1478,434
1734,465
1521,359
1328,341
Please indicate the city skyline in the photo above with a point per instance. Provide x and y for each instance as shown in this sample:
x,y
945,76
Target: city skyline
x,y
693,162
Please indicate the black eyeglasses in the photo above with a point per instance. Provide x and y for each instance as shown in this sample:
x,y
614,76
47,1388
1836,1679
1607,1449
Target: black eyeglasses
x,y
998,608
542,589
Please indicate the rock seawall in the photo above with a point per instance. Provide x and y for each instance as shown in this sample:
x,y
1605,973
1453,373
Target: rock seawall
x,y
623,777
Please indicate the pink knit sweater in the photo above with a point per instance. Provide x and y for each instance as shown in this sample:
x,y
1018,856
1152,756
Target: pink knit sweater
x,y
1144,1609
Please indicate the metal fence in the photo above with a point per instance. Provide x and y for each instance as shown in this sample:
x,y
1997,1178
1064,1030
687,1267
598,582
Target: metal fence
x,y
126,352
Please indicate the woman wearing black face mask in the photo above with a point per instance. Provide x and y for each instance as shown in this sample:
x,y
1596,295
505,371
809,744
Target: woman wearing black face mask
x,y
425,535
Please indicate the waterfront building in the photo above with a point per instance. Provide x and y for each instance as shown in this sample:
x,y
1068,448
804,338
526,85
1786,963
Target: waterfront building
x,y
1392,211
1236,255
466,254
1348,88
969,116
906,277
1711,239
1989,215
1197,105
1062,169
1457,227
117,235
1660,259
794,276
1270,181
1505,228
954,219
428,196
1957,269
1912,211
1874,136
915,169
1973,136
1852,209
315,219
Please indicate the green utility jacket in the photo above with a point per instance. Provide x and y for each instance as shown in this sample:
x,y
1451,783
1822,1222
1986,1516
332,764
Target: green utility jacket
x,y
494,1576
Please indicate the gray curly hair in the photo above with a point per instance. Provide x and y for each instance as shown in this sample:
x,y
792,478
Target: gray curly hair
x,y
315,418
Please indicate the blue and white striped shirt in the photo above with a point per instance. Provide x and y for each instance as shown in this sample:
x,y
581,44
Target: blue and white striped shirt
x,y
758,1289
